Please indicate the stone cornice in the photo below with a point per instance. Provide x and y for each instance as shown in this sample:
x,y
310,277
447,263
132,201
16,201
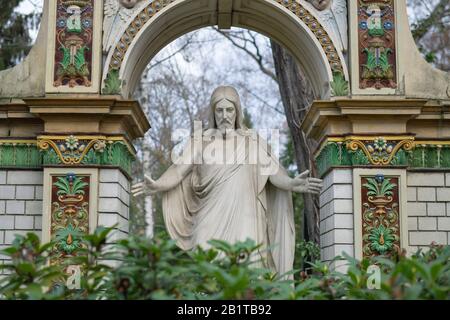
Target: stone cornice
x,y
15,110
84,150
405,151
350,115
128,113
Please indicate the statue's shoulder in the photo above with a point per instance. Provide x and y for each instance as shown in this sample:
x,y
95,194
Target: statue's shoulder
x,y
250,133
208,134
264,145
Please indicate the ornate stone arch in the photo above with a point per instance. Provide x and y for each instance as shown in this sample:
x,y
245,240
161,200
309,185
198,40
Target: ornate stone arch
x,y
292,23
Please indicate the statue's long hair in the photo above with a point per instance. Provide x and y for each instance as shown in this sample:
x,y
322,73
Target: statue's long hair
x,y
230,94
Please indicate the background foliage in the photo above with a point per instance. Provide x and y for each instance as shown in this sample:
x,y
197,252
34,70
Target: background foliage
x,y
15,39
140,268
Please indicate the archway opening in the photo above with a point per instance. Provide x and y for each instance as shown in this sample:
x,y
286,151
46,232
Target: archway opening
x,y
175,90
289,23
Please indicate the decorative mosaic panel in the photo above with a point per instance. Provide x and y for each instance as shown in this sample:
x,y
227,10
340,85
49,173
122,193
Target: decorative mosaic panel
x,y
379,150
380,215
73,49
430,154
19,154
377,49
382,151
69,213
364,151
87,150
98,151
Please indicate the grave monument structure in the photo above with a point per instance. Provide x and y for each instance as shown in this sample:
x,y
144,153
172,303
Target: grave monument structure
x,y
381,115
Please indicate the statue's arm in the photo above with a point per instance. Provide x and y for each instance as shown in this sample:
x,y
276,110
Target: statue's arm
x,y
300,183
169,180
281,180
172,177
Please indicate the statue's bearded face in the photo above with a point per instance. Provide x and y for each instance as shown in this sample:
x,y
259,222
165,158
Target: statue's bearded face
x,y
320,4
128,3
225,115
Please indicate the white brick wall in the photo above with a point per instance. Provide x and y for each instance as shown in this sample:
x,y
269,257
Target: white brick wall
x,y
428,208
114,201
20,204
336,214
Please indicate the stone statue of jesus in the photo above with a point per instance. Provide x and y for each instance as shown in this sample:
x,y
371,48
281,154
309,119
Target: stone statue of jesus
x,y
228,185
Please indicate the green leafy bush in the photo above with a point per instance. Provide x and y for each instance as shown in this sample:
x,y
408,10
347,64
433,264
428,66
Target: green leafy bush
x,y
141,268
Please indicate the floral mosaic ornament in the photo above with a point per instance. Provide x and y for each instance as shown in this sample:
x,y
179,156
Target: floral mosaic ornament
x,y
406,152
380,215
71,149
377,50
73,54
381,239
379,192
87,150
380,151
68,239
70,213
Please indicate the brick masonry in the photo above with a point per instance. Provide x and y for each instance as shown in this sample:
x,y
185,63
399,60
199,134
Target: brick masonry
x,y
20,205
336,215
114,201
428,208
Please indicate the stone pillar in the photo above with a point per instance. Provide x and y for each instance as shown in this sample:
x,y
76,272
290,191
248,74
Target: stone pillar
x,y
66,151
385,165
92,151
66,167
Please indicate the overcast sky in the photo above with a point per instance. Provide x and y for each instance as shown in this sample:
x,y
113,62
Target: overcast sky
x,y
29,6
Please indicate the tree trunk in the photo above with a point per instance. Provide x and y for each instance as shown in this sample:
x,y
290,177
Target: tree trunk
x,y
297,96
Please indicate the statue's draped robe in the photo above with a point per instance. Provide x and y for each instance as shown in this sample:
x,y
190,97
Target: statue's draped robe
x,y
233,202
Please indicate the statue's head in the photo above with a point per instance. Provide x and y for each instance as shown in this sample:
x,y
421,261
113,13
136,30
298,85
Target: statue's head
x,y
128,3
226,111
321,4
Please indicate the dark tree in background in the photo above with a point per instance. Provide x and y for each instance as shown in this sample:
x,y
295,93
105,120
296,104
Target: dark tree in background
x,y
430,26
15,40
297,96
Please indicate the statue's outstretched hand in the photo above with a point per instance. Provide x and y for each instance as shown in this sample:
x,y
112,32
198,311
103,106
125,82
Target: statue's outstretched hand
x,y
149,186
303,184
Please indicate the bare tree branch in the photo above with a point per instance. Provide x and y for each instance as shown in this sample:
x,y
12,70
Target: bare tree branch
x,y
256,56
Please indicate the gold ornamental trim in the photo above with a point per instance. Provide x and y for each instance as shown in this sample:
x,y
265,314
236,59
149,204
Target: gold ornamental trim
x,y
71,158
383,157
72,149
